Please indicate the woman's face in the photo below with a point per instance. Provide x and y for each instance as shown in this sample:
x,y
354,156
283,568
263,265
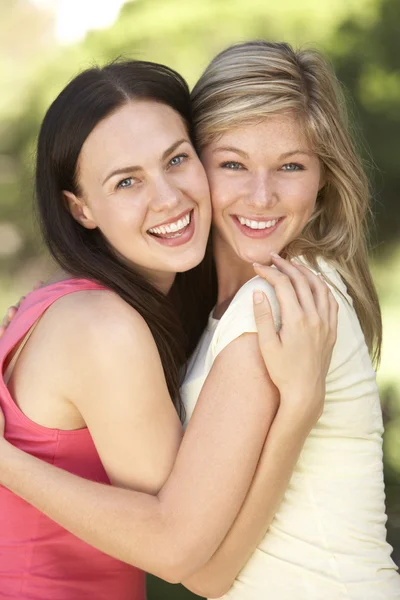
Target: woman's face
x,y
144,187
264,181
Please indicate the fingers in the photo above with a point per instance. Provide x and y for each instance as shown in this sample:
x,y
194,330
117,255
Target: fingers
x,y
291,310
267,336
325,301
319,289
300,282
11,312
301,292
327,306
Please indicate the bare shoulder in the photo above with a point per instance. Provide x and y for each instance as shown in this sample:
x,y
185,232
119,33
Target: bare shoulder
x,y
89,318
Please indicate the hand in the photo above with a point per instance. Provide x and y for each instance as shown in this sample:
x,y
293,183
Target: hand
x,y
298,356
12,311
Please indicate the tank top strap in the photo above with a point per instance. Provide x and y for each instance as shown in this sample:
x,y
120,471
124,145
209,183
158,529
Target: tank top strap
x,y
28,316
13,361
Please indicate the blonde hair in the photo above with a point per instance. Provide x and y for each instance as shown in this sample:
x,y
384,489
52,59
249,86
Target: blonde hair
x,y
251,81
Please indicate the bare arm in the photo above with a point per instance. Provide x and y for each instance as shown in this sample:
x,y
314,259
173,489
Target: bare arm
x,y
281,451
302,396
174,533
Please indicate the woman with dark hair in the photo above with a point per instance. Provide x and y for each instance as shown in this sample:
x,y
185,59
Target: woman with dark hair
x,y
92,361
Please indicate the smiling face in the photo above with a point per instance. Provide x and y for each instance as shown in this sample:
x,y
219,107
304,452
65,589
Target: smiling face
x,y
144,187
264,181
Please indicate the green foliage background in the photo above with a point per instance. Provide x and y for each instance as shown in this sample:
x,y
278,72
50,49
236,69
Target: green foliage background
x,y
359,36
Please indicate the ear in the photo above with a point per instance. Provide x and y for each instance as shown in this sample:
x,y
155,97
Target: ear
x,y
79,210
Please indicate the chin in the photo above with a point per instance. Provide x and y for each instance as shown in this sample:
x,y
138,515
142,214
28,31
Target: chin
x,y
189,264
262,258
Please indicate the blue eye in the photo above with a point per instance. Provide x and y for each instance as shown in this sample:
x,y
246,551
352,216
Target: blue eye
x,y
232,165
125,183
177,160
292,167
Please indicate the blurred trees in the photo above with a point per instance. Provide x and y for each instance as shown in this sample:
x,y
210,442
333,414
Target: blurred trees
x,y
367,61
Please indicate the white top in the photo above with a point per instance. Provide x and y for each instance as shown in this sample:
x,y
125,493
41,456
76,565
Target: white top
x,y
328,539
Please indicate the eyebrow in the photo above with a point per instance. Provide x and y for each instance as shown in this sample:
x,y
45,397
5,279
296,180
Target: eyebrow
x,y
132,168
299,151
231,149
245,155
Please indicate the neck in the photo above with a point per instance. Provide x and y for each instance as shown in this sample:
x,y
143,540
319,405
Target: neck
x,y
162,281
232,274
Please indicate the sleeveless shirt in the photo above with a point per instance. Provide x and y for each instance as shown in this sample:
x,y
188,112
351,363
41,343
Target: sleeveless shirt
x,y
39,560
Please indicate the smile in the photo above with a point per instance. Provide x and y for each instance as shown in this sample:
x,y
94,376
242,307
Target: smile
x,y
257,224
257,228
174,233
172,229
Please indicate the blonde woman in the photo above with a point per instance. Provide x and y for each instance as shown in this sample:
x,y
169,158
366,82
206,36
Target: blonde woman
x,y
272,133
284,179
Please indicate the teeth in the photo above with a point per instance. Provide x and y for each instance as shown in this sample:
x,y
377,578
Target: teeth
x,y
257,224
172,227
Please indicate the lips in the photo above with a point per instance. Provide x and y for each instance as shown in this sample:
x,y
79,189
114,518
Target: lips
x,y
172,224
172,228
257,228
258,223
174,232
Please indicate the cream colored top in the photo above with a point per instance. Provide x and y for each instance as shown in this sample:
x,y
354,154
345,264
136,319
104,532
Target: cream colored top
x,y
328,539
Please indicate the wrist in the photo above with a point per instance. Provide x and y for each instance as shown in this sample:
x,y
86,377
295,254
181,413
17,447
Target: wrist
x,y
302,410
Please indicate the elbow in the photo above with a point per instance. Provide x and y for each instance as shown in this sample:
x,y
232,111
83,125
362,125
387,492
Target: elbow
x,y
184,551
178,562
218,592
186,566
207,589
174,570
165,567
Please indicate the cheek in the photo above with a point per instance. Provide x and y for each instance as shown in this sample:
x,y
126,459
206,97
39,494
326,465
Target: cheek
x,y
223,192
301,197
198,188
118,215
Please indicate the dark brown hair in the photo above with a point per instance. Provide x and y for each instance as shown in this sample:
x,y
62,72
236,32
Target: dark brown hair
x,y
177,320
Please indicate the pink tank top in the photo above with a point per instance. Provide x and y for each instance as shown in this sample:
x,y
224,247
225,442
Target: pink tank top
x,y
39,560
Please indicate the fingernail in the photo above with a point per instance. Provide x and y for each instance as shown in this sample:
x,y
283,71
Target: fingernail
x,y
274,255
255,265
258,297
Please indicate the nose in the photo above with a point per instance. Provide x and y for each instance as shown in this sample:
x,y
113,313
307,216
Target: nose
x,y
261,191
165,195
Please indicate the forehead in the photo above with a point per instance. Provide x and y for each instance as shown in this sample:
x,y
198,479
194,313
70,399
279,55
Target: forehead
x,y
138,131
276,132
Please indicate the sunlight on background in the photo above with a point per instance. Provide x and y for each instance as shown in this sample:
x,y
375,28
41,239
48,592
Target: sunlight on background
x,y
74,18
